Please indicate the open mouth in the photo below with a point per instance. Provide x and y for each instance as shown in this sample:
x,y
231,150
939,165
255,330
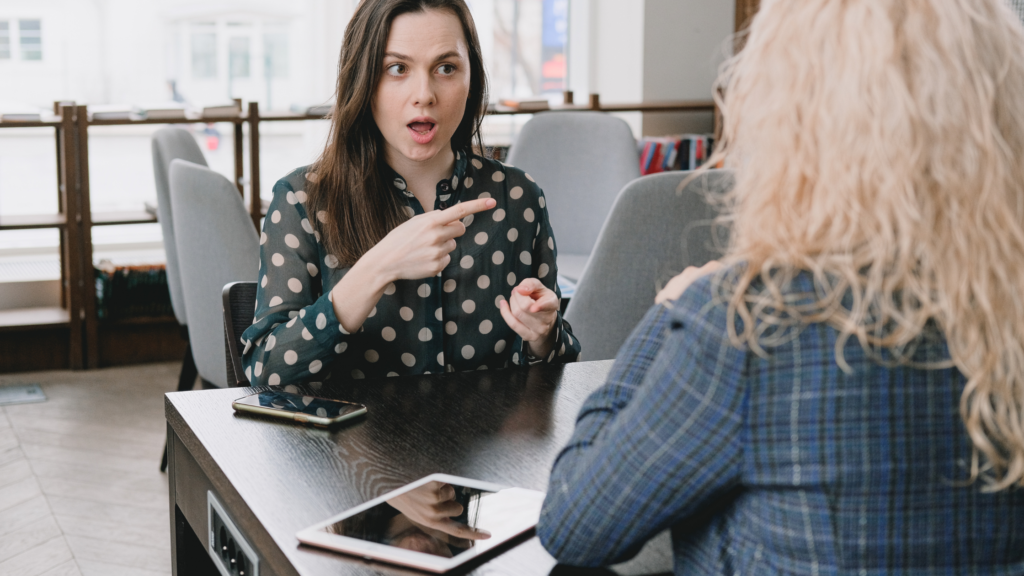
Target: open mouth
x,y
422,132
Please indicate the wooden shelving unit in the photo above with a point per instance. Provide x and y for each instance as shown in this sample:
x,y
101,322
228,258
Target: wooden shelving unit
x,y
69,316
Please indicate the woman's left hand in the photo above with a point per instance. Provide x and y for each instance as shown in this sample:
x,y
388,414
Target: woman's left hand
x,y
531,312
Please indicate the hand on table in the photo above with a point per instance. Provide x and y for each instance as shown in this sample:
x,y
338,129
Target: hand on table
x,y
676,286
531,312
433,505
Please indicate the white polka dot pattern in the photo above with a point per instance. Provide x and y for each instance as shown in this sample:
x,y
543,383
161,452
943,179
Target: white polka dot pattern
x,y
293,339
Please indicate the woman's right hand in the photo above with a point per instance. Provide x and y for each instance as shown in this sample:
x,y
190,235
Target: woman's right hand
x,y
421,247
418,248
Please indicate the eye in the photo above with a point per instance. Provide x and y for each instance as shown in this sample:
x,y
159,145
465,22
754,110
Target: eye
x,y
446,69
395,69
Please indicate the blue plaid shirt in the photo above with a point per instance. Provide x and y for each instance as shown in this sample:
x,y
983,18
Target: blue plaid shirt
x,y
777,465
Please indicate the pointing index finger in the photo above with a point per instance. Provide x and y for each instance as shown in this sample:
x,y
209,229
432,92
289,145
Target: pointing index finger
x,y
463,209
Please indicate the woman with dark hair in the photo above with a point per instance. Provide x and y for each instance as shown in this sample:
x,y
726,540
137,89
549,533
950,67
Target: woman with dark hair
x,y
399,251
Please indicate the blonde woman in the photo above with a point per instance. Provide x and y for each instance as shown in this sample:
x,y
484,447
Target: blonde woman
x,y
846,394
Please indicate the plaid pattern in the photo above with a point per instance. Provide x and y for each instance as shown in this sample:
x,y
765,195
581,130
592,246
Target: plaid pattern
x,y
1017,6
778,465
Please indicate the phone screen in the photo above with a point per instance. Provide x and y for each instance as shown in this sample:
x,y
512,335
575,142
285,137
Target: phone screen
x,y
411,520
311,405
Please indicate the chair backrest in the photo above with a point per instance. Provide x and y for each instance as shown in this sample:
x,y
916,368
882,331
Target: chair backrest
x,y
581,160
239,302
653,232
169,144
217,244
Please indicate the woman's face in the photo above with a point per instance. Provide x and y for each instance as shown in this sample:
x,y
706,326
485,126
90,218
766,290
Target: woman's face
x,y
423,89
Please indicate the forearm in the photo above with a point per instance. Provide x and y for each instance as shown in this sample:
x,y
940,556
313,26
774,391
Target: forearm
x,y
358,291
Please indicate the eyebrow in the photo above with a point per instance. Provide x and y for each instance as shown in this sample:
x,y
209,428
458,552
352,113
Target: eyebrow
x,y
445,56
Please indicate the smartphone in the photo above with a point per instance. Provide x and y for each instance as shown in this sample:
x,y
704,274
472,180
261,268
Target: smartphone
x,y
313,410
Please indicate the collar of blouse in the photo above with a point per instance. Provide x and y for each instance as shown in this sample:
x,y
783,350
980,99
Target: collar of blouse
x,y
447,189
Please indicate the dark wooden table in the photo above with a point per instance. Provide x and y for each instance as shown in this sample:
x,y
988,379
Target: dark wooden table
x,y
276,477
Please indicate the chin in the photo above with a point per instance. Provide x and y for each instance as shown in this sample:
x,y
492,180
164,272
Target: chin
x,y
418,153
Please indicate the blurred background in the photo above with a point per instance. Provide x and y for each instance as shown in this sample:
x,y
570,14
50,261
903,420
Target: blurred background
x,y
150,53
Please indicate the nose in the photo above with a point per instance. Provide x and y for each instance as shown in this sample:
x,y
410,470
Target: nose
x,y
424,95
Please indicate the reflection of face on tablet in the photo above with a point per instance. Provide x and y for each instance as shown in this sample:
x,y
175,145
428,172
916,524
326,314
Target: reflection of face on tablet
x,y
437,518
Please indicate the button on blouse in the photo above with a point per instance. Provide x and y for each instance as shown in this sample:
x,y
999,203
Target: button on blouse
x,y
450,322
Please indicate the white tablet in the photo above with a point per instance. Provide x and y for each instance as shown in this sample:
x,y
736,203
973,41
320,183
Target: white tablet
x,y
434,524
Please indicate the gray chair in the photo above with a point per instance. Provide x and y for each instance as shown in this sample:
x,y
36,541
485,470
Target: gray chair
x,y
581,160
654,231
239,302
170,144
217,244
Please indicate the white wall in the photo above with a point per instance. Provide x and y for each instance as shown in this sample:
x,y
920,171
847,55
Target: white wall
x,y
650,50
685,41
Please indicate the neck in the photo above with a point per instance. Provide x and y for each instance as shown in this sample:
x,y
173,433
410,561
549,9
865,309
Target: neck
x,y
421,177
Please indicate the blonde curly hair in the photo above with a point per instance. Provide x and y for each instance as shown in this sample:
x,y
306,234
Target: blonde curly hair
x,y
879,145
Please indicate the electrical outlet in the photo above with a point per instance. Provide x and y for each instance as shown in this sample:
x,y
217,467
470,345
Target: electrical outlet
x,y
229,550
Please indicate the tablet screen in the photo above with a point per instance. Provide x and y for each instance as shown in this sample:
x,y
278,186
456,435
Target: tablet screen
x,y
437,518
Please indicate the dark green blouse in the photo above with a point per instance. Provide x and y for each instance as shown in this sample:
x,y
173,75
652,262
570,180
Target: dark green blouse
x,y
450,322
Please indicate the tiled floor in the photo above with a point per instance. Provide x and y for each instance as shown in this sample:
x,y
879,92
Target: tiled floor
x,y
80,488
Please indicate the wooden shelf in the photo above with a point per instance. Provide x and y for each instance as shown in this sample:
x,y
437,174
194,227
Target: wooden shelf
x,y
286,116
33,318
186,120
30,221
140,320
500,110
668,106
50,121
118,218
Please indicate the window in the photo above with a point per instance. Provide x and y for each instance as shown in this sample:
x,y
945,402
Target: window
x,y
275,51
204,51
5,40
31,34
238,52
524,44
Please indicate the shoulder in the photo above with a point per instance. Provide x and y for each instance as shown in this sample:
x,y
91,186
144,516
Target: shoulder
x,y
702,311
290,195
295,181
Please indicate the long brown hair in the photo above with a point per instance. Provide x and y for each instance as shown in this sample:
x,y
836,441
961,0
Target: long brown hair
x,y
347,194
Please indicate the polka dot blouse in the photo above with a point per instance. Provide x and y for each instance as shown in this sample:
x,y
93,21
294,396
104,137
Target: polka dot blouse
x,y
450,322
